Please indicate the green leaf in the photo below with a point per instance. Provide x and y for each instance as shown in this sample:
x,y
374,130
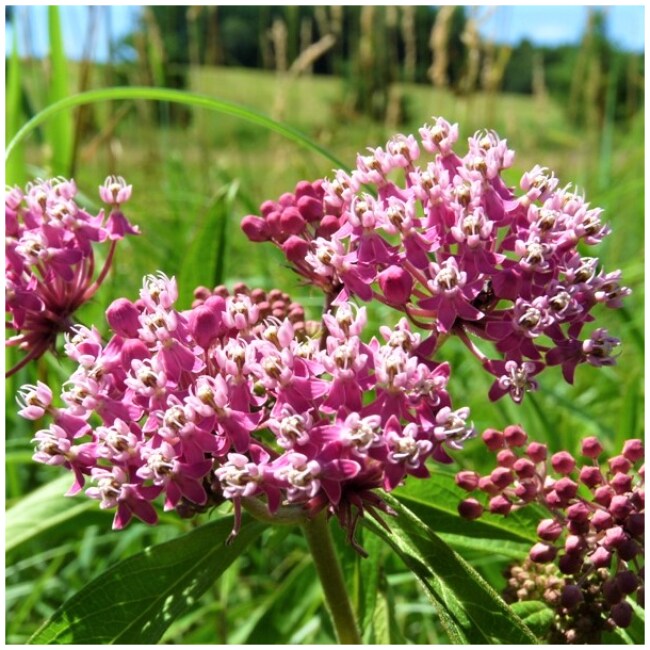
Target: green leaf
x,y
469,609
137,599
537,615
42,510
435,501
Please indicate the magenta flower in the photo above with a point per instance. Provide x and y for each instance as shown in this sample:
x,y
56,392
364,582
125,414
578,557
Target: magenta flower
x,y
50,264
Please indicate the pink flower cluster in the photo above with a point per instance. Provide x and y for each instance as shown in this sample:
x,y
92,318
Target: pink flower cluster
x,y
596,522
50,263
215,400
456,250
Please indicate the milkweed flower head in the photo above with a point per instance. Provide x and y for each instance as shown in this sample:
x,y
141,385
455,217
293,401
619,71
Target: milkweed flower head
x,y
439,236
236,399
49,257
591,537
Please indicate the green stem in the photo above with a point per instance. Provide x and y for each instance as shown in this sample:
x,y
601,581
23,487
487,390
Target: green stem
x,y
319,540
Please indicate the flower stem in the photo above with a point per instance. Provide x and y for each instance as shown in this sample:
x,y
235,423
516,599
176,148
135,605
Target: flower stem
x,y
319,540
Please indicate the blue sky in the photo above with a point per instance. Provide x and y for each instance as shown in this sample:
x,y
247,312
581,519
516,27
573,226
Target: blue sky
x,y
549,24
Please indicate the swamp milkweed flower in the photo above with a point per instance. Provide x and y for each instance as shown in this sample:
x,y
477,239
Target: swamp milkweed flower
x,y
49,258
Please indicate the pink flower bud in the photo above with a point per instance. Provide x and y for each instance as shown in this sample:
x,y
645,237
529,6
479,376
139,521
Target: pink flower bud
x,y
579,527
591,476
614,537
612,591
493,439
470,509
396,285
499,505
537,452
291,221
255,229
591,447
506,458
524,468
486,485
206,325
578,511
502,477
329,224
123,317
566,488
554,500
621,483
542,553
467,480
310,208
286,200
621,614
267,207
603,495
620,507
601,519
620,464
515,436
601,558
563,462
633,450
295,248
574,544
526,491
549,529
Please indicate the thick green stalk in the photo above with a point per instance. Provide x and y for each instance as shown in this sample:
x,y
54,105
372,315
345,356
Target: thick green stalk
x,y
321,545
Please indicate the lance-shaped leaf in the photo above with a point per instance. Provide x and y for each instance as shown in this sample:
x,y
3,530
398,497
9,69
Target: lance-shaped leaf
x,y
136,600
469,609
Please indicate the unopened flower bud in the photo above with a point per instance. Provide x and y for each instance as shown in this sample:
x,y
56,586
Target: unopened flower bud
x,y
310,208
470,509
291,221
628,550
329,224
123,317
295,248
502,477
620,464
542,553
603,495
601,558
506,458
591,476
467,480
601,519
563,462
549,529
396,285
524,468
537,452
499,505
578,527
570,563
635,524
627,582
620,507
621,483
255,228
571,596
578,511
486,485
206,325
515,436
612,591
633,450
621,614
493,439
566,488
574,544
527,491
591,447
614,537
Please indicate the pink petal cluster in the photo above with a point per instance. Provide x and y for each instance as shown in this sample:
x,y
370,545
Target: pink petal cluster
x,y
217,402
49,257
447,242
595,523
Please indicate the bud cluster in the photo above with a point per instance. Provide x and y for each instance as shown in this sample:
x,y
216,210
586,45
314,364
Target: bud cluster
x,y
218,403
456,250
594,531
50,262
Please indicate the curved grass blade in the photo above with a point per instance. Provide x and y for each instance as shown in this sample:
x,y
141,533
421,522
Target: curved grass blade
x,y
174,96
137,599
469,609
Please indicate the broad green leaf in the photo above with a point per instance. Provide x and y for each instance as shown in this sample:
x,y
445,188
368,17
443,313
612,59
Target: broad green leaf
x,y
435,501
537,615
469,609
42,510
137,599
368,570
489,548
59,131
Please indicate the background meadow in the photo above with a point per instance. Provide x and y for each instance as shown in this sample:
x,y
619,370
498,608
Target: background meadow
x,y
196,172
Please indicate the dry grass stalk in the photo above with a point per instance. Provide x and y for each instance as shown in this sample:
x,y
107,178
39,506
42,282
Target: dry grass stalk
x,y
410,43
439,45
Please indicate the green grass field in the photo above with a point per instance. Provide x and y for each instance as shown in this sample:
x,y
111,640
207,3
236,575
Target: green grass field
x,y
181,177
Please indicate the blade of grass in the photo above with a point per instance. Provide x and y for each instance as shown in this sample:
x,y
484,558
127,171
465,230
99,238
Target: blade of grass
x,y
59,131
174,96
15,172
